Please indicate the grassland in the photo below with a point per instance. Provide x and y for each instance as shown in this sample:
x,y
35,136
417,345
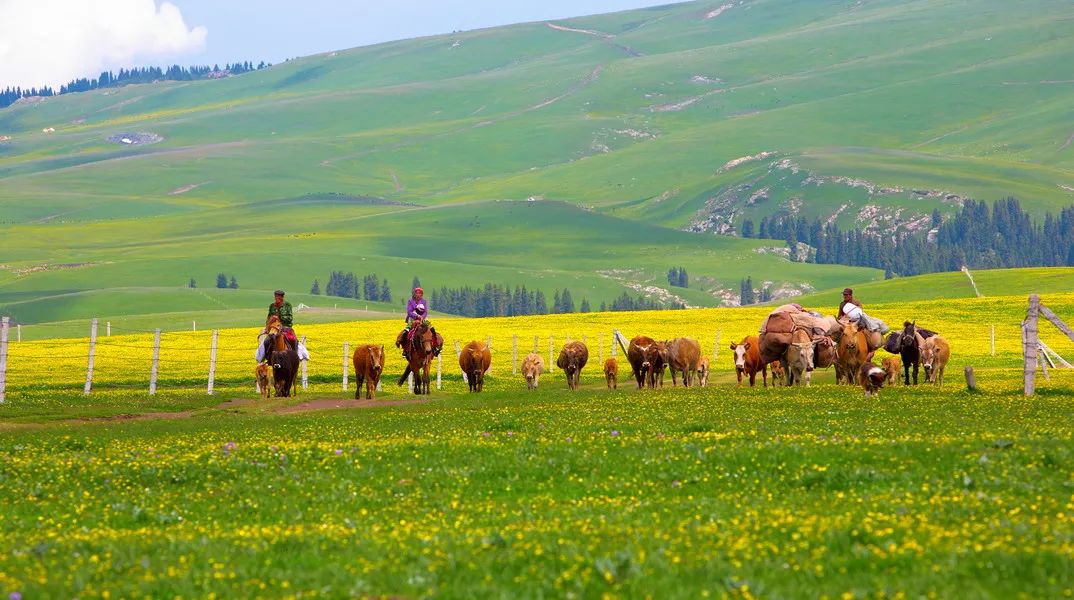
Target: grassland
x,y
859,104
779,492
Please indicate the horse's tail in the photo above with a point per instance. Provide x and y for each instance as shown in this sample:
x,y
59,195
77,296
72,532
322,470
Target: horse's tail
x,y
406,372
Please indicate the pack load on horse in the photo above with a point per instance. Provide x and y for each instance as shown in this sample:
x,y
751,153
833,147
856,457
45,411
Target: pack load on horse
x,y
278,333
417,312
777,332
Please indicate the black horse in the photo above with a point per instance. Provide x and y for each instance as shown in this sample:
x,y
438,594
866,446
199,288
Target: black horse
x,y
904,343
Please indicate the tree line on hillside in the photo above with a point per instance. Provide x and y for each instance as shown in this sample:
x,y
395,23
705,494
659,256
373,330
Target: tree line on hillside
x,y
494,300
346,285
748,295
1004,236
677,277
108,79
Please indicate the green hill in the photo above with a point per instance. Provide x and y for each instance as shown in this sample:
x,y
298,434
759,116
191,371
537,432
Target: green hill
x,y
625,128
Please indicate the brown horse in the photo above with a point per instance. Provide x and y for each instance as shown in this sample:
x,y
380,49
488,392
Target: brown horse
x,y
275,339
419,357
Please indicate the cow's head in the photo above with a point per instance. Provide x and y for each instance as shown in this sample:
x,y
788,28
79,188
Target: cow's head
x,y
740,354
804,359
376,358
646,363
928,358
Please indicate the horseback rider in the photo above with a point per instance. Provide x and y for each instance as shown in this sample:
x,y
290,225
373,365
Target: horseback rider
x,y
282,310
850,309
417,310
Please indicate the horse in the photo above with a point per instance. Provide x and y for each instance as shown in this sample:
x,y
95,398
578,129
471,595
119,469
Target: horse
x,y
275,339
419,357
909,343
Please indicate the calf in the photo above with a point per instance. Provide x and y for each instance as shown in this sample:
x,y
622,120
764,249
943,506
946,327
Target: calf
x,y
611,373
532,366
934,356
683,356
747,357
779,376
284,371
262,372
474,360
891,366
871,376
703,371
368,365
572,358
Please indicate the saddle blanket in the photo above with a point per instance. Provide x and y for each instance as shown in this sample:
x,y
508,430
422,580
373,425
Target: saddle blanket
x,y
303,353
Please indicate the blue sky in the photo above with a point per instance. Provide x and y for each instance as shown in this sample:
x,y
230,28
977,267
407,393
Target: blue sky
x,y
50,42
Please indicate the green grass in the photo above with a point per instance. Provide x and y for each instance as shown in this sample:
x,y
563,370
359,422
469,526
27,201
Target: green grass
x,y
771,493
902,96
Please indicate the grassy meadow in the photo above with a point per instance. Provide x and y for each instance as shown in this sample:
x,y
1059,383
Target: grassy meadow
x,y
395,155
715,491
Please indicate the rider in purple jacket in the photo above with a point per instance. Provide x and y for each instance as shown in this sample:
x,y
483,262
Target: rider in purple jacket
x,y
417,310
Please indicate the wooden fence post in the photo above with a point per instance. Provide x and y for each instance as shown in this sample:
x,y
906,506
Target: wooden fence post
x,y
716,350
107,329
615,346
3,357
346,348
550,345
212,362
305,364
488,345
439,359
535,343
193,325
1030,345
18,331
92,350
156,363
410,383
514,355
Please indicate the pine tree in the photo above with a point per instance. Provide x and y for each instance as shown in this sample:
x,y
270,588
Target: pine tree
x,y
584,306
385,291
315,289
684,280
233,284
192,284
221,280
416,283
567,303
540,304
747,228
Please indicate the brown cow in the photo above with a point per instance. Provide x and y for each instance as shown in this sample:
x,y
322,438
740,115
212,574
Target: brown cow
x,y
474,360
368,362
263,373
683,355
747,357
532,366
703,371
658,358
891,365
611,373
637,355
853,348
572,358
934,356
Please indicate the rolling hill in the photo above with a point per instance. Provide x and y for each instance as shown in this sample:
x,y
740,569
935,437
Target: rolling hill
x,y
591,153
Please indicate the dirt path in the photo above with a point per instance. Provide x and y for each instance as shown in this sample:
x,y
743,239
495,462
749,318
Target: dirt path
x,y
334,403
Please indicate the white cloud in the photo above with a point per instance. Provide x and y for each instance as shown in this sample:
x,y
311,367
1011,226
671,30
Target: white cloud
x,y
50,42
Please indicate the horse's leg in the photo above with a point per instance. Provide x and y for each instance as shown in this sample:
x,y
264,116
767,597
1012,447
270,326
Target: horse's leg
x,y
406,372
915,372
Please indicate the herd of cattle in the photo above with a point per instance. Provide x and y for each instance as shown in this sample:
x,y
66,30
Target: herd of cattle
x,y
792,341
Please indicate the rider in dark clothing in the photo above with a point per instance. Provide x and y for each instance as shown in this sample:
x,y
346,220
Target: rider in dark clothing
x,y
848,298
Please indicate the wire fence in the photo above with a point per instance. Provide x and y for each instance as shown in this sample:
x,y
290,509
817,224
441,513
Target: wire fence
x,y
153,360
